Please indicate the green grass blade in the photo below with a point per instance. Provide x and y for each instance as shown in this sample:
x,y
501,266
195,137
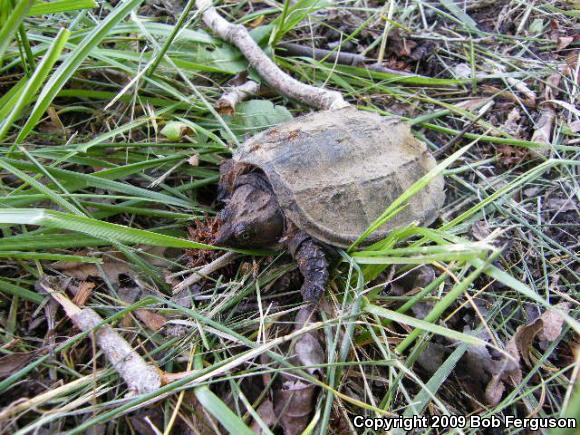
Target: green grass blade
x,y
32,85
423,397
465,19
216,407
48,256
447,300
421,324
54,197
12,24
72,63
59,6
93,227
8,288
76,180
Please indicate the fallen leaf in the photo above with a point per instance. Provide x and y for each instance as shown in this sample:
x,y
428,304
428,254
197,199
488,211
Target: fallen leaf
x,y
511,156
309,352
112,267
494,390
523,89
551,88
543,130
575,126
151,319
547,327
525,336
10,364
268,416
512,124
82,292
462,71
257,22
563,42
432,357
473,103
294,404
493,372
561,204
412,281
294,399
480,230
553,322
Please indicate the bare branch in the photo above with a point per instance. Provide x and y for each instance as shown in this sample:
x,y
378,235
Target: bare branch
x,y
341,58
236,94
238,35
206,270
139,376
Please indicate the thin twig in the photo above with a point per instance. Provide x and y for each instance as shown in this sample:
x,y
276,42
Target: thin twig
x,y
139,376
206,270
341,58
236,94
238,35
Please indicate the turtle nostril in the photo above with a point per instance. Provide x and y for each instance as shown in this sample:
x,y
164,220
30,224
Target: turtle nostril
x,y
219,239
222,237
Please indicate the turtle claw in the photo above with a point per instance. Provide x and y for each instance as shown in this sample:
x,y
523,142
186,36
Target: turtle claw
x,y
313,265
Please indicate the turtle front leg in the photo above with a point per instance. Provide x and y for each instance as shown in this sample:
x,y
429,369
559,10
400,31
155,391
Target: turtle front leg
x,y
313,265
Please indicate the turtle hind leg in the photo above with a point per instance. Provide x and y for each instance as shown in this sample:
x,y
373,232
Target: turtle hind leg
x,y
313,266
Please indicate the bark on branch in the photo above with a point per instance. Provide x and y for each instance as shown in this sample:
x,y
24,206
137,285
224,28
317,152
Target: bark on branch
x,y
206,270
236,94
238,35
139,376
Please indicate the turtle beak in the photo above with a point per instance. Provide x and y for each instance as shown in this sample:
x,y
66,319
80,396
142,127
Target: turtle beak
x,y
223,236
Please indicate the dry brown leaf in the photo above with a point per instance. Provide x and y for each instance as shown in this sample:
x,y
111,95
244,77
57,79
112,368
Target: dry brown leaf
x,y
480,230
563,42
112,267
309,352
152,320
432,357
547,327
268,416
543,130
523,89
510,156
10,364
83,292
294,404
561,204
473,103
257,22
482,368
494,390
551,88
525,336
512,124
505,371
553,322
294,399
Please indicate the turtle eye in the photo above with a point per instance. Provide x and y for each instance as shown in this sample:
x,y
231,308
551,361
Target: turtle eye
x,y
243,233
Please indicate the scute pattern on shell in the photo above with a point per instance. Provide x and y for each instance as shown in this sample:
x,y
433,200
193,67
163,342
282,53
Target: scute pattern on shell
x,y
335,172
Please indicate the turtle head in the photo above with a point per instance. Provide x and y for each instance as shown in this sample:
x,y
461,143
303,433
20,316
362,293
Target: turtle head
x,y
251,217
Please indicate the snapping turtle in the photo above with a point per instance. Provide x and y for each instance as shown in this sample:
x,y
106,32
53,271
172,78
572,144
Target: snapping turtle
x,y
322,179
